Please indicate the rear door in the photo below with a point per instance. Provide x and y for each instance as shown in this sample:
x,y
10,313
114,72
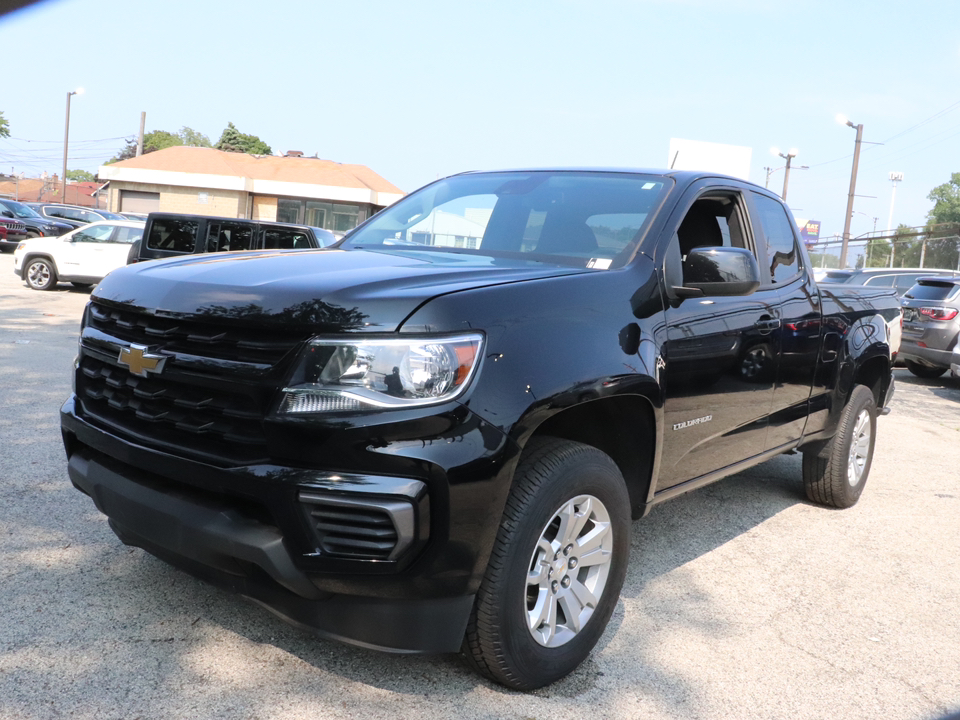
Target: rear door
x,y
117,249
797,337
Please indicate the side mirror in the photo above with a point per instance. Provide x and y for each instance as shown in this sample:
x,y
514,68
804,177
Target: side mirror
x,y
6,213
719,271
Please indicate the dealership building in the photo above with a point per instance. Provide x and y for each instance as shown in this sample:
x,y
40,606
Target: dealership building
x,y
289,188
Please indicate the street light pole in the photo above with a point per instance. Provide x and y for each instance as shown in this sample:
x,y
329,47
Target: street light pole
x,y
853,189
66,141
895,177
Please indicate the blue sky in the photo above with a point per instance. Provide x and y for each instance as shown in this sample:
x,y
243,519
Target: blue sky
x,y
417,90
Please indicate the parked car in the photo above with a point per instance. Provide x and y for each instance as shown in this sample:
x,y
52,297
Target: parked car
x,y
432,438
172,234
36,224
142,217
73,215
83,256
931,325
900,279
14,232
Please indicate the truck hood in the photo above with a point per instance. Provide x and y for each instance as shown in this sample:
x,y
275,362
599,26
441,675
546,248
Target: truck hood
x,y
327,290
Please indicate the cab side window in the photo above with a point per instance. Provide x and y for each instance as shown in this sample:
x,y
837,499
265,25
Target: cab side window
x,y
783,255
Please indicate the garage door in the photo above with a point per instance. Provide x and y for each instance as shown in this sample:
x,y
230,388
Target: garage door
x,y
135,201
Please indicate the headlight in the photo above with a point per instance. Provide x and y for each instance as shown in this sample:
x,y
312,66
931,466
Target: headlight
x,y
354,375
22,246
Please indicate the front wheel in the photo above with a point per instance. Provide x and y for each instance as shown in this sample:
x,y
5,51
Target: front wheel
x,y
40,275
926,372
835,475
556,568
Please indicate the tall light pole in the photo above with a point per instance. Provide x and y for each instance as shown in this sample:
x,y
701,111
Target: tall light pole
x,y
853,188
66,142
895,177
788,156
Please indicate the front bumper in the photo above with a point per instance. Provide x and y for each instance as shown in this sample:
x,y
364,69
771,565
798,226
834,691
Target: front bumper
x,y
244,529
218,544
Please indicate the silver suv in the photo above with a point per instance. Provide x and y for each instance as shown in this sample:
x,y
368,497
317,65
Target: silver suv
x,y
900,279
931,324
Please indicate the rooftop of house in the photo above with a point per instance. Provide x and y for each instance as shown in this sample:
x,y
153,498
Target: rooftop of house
x,y
306,170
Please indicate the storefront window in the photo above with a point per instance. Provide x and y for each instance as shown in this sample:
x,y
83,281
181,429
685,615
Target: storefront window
x,y
288,210
337,217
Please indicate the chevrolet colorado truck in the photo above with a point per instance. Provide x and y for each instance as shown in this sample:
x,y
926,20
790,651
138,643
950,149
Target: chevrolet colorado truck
x,y
432,437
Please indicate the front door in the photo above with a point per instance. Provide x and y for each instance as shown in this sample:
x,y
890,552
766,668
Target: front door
x,y
720,354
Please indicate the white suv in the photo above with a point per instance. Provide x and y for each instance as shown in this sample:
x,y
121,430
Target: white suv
x,y
83,257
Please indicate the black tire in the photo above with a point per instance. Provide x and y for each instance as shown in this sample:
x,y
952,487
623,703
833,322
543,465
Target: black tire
x,y
836,474
40,274
553,476
926,372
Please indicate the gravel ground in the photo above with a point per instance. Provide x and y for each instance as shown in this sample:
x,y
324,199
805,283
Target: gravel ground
x,y
742,600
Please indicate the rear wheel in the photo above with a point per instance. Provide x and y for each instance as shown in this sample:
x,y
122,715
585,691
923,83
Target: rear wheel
x,y
556,569
40,274
835,474
928,372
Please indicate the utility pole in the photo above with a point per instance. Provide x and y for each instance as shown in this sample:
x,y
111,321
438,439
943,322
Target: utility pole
x,y
853,189
143,121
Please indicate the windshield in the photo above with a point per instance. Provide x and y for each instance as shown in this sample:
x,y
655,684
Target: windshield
x,y
19,209
586,219
110,216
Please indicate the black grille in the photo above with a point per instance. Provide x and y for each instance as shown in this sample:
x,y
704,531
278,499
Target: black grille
x,y
214,425
209,339
353,530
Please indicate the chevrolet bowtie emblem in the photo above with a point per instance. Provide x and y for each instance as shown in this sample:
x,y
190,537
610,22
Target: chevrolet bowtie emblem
x,y
140,361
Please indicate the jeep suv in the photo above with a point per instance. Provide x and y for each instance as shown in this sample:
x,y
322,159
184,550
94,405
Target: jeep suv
x,y
172,234
931,324
36,225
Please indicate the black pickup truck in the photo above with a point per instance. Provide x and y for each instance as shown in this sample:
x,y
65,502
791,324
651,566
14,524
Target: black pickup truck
x,y
432,436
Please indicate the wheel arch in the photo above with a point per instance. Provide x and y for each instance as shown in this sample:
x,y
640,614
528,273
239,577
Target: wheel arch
x,y
622,426
39,254
873,372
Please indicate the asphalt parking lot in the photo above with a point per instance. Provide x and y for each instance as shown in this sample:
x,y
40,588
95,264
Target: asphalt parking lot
x,y
742,600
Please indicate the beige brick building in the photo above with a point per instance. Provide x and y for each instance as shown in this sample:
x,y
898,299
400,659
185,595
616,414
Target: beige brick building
x,y
291,188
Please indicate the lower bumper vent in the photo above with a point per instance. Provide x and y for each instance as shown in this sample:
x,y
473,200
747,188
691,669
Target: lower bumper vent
x,y
360,528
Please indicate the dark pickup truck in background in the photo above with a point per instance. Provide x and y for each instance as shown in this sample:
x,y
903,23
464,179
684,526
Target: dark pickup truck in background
x,y
432,436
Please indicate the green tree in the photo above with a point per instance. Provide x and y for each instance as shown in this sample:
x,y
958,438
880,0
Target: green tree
x,y
232,140
192,138
946,202
80,176
160,140
943,226
877,253
4,126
